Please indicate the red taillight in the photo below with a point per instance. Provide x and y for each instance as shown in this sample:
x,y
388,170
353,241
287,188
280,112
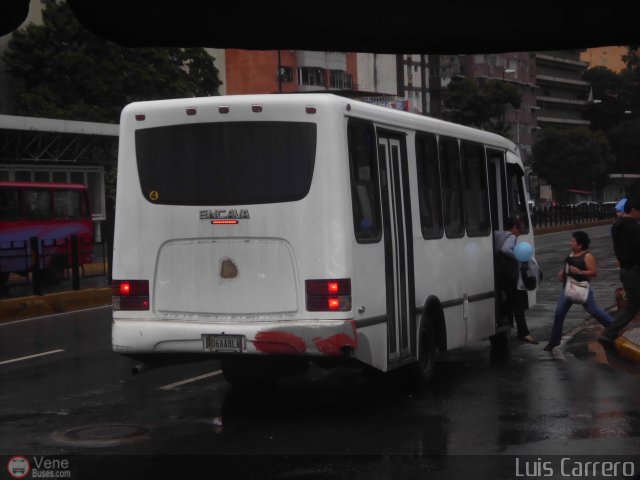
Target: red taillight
x,y
328,295
130,294
124,288
333,303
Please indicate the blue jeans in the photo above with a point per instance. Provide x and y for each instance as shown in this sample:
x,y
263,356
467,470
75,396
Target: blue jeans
x,y
562,308
630,279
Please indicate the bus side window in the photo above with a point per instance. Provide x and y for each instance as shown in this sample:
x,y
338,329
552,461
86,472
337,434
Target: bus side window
x,y
429,192
516,196
476,200
451,187
364,182
36,204
9,204
67,204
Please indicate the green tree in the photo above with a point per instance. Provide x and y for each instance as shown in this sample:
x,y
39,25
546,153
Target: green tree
x,y
632,77
612,93
572,158
617,110
625,141
481,104
64,71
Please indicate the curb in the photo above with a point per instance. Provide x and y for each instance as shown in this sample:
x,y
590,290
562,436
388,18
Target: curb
x,y
38,305
571,226
628,344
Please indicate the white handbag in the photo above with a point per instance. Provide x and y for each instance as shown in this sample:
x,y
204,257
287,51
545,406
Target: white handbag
x,y
575,291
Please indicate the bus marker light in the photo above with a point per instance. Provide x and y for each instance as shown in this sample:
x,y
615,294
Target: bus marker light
x,y
310,109
223,109
140,117
256,108
191,111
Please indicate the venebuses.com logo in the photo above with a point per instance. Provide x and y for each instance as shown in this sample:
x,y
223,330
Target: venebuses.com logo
x,y
19,466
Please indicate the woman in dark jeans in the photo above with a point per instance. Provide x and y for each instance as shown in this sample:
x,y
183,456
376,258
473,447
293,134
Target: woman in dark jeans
x,y
580,265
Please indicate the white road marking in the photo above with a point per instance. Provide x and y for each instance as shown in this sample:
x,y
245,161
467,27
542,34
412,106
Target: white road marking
x,y
30,356
190,380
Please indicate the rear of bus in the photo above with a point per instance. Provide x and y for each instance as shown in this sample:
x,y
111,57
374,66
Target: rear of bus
x,y
233,230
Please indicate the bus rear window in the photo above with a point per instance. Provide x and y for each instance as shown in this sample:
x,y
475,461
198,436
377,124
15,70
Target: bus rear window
x,y
231,163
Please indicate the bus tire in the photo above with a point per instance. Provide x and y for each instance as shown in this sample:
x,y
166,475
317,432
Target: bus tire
x,y
423,371
249,372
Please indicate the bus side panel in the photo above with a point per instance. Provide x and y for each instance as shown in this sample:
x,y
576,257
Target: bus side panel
x,y
369,303
477,282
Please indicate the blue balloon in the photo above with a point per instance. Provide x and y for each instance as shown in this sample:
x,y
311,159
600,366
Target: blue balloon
x,y
523,251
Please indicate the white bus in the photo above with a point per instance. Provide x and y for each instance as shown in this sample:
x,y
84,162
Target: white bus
x,y
270,230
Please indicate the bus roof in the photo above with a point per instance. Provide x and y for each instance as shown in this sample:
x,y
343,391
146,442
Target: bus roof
x,y
352,107
55,185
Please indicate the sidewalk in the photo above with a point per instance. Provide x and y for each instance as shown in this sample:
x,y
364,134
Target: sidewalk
x,y
627,345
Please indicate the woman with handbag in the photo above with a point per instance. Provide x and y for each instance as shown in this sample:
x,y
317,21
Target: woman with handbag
x,y
579,268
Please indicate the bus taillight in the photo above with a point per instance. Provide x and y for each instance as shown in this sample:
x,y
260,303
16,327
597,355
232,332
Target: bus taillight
x,y
130,294
328,295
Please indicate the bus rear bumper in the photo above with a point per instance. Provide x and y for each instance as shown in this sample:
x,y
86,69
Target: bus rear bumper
x,y
333,338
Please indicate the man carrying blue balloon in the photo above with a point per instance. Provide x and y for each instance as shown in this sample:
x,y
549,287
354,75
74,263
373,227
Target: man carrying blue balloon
x,y
508,272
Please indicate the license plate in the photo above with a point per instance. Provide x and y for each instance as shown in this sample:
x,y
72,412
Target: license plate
x,y
224,343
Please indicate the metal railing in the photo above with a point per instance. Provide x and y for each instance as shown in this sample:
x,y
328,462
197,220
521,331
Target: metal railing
x,y
46,264
569,214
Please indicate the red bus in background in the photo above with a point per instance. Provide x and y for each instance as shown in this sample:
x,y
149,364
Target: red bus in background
x,y
52,212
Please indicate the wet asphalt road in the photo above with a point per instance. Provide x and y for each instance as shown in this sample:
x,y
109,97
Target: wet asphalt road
x,y
78,401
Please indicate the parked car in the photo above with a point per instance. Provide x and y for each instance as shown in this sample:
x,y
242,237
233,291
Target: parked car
x,y
584,203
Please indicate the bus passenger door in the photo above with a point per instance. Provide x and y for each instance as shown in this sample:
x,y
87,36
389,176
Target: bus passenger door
x,y
497,188
398,247
498,205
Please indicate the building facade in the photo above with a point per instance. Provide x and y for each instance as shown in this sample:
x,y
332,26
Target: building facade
x,y
562,96
519,70
288,71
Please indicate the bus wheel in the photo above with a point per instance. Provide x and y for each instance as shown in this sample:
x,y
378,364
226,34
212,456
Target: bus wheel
x,y
250,372
423,371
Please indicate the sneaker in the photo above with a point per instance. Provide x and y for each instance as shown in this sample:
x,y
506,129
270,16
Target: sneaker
x,y
550,346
